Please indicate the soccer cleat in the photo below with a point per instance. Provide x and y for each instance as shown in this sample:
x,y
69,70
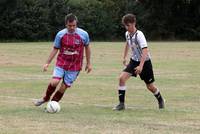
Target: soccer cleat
x,y
161,104
39,102
120,106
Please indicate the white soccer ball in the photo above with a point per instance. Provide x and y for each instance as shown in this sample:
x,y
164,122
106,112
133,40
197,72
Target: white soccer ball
x,y
53,107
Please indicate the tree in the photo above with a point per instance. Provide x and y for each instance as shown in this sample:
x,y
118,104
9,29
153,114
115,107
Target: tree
x,y
34,20
57,11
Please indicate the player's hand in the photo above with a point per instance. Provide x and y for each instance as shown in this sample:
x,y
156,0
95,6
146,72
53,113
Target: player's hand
x,y
88,68
124,62
138,70
45,67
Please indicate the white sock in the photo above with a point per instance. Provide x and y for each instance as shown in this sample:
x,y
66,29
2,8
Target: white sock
x,y
122,88
156,92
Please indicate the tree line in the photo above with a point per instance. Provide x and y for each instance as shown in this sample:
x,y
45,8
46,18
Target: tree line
x,y
40,20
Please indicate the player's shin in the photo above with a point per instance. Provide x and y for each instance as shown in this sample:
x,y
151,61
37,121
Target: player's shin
x,y
160,99
121,93
57,96
157,95
49,92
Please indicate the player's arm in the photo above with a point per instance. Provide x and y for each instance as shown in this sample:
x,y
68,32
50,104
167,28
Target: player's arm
x,y
126,48
88,66
50,58
139,68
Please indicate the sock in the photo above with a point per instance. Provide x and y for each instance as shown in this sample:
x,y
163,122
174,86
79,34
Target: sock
x,y
121,95
57,96
158,96
49,92
121,92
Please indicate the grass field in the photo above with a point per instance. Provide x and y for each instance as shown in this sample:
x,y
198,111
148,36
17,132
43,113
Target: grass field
x,y
87,107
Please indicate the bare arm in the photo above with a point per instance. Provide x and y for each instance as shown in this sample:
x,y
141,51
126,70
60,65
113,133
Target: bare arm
x,y
50,58
88,66
125,54
139,68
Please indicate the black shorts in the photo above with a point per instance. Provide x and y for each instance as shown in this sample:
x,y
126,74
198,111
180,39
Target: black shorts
x,y
146,74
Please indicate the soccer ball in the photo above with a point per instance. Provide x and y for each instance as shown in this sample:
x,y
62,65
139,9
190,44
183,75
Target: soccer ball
x,y
53,107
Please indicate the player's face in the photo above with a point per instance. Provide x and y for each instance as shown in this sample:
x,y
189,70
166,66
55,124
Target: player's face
x,y
71,26
130,27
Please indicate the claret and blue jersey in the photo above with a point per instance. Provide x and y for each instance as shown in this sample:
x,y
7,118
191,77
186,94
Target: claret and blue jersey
x,y
71,46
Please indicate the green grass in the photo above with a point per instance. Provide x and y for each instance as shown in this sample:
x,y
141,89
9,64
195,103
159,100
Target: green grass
x,y
86,107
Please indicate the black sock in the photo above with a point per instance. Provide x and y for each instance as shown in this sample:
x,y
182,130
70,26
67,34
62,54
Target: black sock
x,y
121,95
158,96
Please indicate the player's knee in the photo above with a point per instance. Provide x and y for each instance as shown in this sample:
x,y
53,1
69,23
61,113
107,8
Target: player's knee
x,y
150,86
54,82
63,87
121,79
62,90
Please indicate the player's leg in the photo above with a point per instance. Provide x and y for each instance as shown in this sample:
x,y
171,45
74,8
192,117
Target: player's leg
x,y
69,78
122,86
124,76
49,91
148,76
51,88
57,76
122,90
60,92
151,87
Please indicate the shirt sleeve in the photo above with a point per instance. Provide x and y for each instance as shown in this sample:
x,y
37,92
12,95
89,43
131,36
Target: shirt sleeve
x,y
87,39
141,40
57,40
84,36
126,36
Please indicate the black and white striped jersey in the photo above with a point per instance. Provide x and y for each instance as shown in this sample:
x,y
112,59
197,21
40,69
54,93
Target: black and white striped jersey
x,y
137,42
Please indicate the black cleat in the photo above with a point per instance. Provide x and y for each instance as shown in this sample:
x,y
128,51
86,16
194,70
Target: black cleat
x,y
119,107
161,104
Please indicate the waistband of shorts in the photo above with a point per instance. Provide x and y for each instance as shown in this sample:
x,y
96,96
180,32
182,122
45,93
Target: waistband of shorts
x,y
139,61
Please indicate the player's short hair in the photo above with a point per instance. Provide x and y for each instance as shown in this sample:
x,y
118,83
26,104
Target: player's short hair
x,y
70,18
128,18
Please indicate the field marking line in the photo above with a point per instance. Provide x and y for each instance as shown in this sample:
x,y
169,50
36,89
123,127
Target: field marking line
x,y
104,106
74,103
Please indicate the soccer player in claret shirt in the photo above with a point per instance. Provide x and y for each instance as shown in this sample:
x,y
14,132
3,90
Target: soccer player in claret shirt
x,y
70,43
139,64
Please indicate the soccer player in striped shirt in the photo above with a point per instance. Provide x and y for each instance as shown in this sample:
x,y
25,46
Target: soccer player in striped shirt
x,y
70,43
140,62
